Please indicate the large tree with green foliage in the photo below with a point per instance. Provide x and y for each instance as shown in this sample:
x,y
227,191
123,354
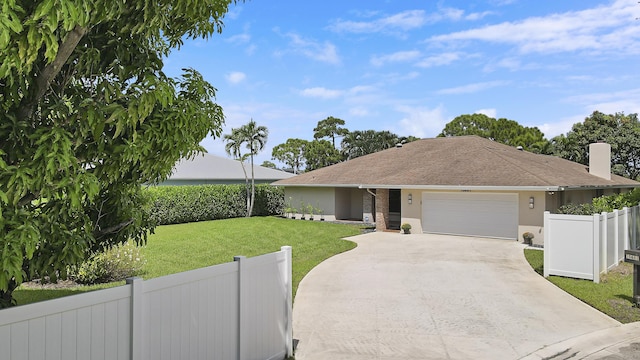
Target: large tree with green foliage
x,y
320,153
290,153
358,143
501,130
330,128
620,130
86,117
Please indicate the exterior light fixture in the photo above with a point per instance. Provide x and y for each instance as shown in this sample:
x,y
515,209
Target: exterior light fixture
x,y
531,202
410,198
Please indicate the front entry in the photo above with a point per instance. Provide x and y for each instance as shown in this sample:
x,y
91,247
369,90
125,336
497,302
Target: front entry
x,y
394,209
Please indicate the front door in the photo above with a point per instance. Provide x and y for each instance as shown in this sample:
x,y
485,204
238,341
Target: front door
x,y
394,209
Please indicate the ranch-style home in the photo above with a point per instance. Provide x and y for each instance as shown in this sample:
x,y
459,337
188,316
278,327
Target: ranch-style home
x,y
463,185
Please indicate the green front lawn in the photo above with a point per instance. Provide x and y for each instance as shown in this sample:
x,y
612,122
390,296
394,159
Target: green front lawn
x,y
612,296
182,247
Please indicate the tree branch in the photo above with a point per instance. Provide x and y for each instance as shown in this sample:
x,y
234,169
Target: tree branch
x,y
112,229
50,71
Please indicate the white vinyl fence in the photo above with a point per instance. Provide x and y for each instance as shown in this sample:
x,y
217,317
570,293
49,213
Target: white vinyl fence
x,y
238,310
584,246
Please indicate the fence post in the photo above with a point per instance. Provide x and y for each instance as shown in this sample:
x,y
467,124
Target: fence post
x,y
242,283
596,248
616,236
625,226
136,317
288,281
547,244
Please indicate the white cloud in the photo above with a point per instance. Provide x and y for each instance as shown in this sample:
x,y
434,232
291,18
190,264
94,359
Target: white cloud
x,y
604,28
509,63
439,60
324,93
359,111
562,126
324,52
627,101
320,92
421,121
251,49
239,39
234,12
400,56
406,20
489,112
478,16
472,88
235,77
401,22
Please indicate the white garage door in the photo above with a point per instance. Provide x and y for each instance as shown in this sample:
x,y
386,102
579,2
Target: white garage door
x,y
474,214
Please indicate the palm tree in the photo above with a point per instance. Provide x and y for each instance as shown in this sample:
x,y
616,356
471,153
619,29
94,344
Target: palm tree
x,y
233,148
254,137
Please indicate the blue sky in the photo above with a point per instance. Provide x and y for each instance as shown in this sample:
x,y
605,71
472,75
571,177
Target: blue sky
x,y
412,66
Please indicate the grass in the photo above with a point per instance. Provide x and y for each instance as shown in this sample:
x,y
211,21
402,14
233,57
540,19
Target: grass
x,y
182,247
612,296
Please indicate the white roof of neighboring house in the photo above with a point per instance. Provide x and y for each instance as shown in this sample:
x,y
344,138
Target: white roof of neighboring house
x,y
208,167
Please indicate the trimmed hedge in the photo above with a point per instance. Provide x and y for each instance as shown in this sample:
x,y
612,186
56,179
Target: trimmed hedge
x,y
190,203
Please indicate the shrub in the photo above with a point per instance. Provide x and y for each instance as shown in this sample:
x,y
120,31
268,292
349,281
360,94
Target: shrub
x,y
191,203
603,203
114,264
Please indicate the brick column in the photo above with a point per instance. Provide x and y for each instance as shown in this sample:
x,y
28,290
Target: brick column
x,y
382,209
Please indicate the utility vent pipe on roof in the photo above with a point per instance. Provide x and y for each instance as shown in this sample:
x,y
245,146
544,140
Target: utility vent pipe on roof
x,y
520,148
399,145
600,160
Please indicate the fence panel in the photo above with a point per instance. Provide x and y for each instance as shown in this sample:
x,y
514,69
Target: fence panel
x,y
173,310
267,326
569,243
611,241
239,310
623,234
73,327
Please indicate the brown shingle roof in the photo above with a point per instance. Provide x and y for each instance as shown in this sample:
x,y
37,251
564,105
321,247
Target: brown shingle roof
x,y
469,161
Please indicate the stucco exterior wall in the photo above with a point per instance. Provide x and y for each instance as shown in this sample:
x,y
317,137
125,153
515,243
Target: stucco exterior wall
x,y
343,203
531,220
412,213
357,209
323,198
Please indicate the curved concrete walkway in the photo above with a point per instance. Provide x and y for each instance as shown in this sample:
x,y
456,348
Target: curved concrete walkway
x,y
433,297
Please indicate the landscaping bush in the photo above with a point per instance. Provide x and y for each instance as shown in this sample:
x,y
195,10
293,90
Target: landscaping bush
x,y
603,203
191,203
114,264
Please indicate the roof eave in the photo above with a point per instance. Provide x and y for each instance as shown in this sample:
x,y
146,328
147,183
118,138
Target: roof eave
x,y
463,187
319,185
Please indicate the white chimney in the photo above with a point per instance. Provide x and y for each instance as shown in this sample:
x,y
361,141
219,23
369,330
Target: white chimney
x,y
600,160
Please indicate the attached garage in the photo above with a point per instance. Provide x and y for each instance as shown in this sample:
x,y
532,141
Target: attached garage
x,y
473,214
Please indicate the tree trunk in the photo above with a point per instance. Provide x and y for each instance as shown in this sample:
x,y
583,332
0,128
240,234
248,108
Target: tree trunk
x,y
6,297
253,189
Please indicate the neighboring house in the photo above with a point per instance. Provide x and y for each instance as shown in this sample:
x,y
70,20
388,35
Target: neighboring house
x,y
212,169
463,185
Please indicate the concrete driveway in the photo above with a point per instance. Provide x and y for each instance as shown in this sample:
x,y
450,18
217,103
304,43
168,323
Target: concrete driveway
x,y
433,297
